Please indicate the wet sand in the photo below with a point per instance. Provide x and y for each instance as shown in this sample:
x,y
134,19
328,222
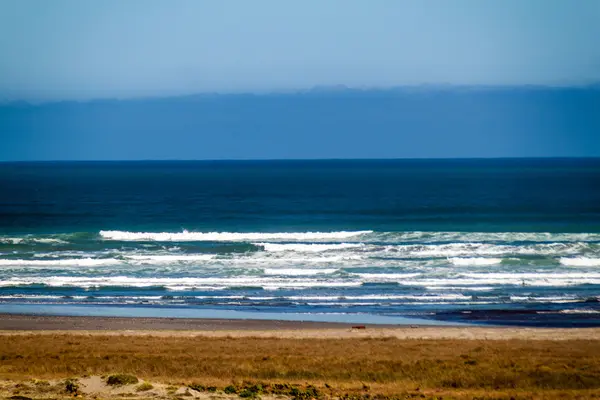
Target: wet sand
x,y
11,324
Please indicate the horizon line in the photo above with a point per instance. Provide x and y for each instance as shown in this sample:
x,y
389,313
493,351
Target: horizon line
x,y
315,89
304,159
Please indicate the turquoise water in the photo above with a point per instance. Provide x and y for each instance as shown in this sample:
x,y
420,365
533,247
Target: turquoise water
x,y
500,241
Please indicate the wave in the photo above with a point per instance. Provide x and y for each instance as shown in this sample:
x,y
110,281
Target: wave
x,y
253,260
310,247
172,258
83,262
298,271
182,283
29,239
368,236
433,237
581,262
580,311
386,277
322,300
487,249
187,236
550,279
475,261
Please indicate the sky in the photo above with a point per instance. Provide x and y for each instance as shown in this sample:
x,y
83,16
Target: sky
x,y
73,49
139,50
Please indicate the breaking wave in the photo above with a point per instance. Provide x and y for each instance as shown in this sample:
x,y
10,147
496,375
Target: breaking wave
x,y
307,247
580,262
298,271
84,262
187,236
475,261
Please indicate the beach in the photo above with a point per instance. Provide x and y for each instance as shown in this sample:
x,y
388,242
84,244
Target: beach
x,y
191,327
233,359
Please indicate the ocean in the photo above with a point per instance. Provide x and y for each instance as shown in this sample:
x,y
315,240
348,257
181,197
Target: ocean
x,y
497,241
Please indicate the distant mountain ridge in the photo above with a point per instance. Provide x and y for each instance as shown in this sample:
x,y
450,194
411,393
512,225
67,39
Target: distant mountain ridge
x,y
322,123
340,89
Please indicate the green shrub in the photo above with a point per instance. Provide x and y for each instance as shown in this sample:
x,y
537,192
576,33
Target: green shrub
x,y
144,387
197,387
251,390
310,392
246,393
230,389
71,386
121,379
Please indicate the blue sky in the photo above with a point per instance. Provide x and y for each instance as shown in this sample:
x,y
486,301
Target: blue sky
x,y
122,49
73,49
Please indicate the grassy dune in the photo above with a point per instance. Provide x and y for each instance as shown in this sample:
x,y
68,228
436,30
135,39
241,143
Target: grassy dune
x,y
360,368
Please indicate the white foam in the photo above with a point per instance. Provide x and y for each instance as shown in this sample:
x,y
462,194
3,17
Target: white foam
x,y
556,279
310,247
533,275
385,277
6,240
253,260
471,249
369,297
84,262
187,236
475,261
487,237
28,239
182,283
546,299
298,271
172,257
580,311
461,288
49,240
30,297
580,262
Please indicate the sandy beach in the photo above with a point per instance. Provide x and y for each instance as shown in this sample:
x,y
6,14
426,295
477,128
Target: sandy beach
x,y
45,357
33,324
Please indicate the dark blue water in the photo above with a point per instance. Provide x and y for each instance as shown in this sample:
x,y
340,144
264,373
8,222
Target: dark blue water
x,y
432,238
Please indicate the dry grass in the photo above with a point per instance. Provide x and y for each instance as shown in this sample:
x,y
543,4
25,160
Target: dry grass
x,y
356,367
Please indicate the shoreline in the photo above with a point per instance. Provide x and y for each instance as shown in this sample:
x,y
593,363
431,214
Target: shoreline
x,y
14,324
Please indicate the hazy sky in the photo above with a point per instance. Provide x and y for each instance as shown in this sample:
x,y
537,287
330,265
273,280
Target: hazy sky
x,y
63,49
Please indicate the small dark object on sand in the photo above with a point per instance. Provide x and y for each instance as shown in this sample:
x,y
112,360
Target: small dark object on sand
x,y
359,327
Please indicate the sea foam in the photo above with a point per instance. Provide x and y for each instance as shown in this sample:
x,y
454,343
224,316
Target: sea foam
x,y
580,262
187,236
298,271
172,258
84,262
307,247
475,261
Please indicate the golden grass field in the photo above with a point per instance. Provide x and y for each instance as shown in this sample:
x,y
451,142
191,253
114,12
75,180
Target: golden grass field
x,y
361,368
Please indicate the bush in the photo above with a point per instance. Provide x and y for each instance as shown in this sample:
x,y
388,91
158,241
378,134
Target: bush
x,y
71,386
197,387
122,379
230,389
310,392
245,393
144,387
251,390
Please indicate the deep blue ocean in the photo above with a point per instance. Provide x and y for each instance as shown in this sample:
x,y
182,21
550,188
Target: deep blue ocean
x,y
508,241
